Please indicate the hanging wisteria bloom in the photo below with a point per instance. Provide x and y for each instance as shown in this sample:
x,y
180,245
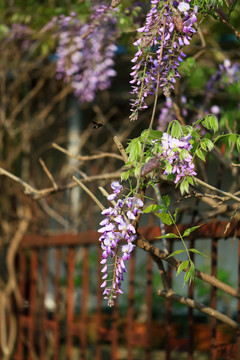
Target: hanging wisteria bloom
x,y
174,158
227,74
169,26
85,52
117,227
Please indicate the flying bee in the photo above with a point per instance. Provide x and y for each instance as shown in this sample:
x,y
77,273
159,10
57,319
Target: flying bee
x,y
96,125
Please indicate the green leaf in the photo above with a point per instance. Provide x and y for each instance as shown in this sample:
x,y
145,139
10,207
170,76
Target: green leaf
x,y
168,168
232,139
184,187
152,208
238,143
175,214
166,200
176,130
190,179
166,219
136,149
190,230
197,252
155,134
137,171
175,253
168,236
210,122
187,276
200,154
125,175
206,144
183,154
183,266
190,274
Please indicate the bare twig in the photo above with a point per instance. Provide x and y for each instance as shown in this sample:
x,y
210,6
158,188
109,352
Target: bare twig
x,y
201,307
11,285
121,148
49,175
144,244
229,195
86,158
162,271
28,189
38,194
54,214
89,193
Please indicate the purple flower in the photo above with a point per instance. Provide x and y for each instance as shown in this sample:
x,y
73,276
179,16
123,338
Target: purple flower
x,y
85,52
126,249
116,187
117,226
173,152
183,7
164,26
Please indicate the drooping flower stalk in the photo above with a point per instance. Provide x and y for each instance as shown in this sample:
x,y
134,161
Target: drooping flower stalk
x,y
117,227
85,52
168,27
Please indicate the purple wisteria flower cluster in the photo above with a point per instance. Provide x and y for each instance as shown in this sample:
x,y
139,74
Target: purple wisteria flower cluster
x,y
85,52
181,164
227,74
117,226
169,26
174,157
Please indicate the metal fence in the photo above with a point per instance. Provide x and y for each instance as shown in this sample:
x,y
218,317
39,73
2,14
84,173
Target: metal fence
x,y
64,317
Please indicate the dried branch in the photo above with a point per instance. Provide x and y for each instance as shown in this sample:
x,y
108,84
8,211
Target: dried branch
x,y
162,271
49,175
11,285
26,99
54,214
38,194
89,157
199,306
121,148
227,194
89,193
144,244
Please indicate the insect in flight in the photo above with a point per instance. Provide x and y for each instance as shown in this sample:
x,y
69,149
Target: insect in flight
x,y
96,125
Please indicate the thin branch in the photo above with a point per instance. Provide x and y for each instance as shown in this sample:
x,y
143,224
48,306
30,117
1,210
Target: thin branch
x,y
38,194
217,190
201,307
11,286
162,271
144,244
54,214
49,175
26,99
28,189
86,158
89,193
121,148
